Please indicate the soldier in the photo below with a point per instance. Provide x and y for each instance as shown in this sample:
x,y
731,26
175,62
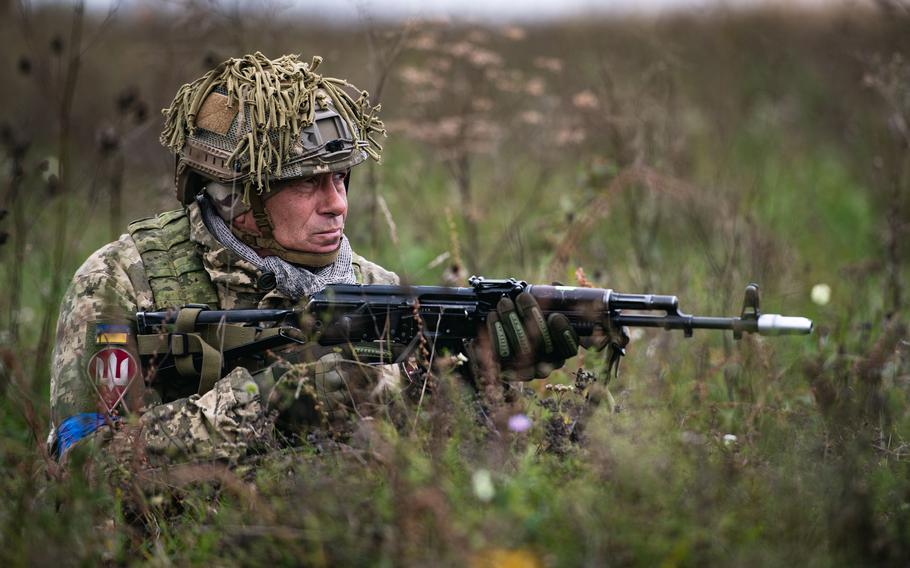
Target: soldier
x,y
264,152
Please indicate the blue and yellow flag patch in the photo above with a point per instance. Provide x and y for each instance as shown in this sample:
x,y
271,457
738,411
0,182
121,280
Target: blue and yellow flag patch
x,y
109,334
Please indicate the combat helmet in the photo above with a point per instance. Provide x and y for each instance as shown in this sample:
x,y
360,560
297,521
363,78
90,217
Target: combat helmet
x,y
252,121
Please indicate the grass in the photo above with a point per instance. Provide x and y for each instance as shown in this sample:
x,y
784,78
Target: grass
x,y
776,165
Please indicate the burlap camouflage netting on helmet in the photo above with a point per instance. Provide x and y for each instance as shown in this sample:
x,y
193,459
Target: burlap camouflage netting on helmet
x,y
278,98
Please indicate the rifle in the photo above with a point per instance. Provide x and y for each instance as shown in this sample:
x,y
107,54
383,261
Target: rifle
x,y
447,318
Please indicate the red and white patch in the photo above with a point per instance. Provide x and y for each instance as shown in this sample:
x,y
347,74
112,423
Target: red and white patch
x,y
113,369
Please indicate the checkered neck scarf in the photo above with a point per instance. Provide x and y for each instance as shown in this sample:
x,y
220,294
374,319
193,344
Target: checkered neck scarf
x,y
293,280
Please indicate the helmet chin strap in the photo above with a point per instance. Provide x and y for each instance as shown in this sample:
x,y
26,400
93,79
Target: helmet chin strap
x,y
266,240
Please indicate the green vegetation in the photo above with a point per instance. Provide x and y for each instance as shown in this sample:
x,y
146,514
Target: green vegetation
x,y
684,155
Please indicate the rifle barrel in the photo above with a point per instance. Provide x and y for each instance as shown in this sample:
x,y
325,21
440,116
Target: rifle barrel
x,y
766,324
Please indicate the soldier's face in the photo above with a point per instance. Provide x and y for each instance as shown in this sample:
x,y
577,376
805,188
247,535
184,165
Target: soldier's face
x,y
308,213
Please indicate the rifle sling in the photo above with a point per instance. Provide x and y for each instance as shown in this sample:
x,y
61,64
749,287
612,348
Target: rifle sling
x,y
189,339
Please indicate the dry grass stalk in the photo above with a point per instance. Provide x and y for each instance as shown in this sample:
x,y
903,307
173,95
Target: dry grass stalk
x,y
600,207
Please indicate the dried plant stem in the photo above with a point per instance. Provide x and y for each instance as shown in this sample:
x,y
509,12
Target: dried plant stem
x,y
20,232
454,244
521,215
462,168
116,196
601,206
383,56
896,230
373,185
58,276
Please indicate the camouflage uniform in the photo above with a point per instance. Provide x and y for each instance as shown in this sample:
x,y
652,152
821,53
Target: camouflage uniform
x,y
98,314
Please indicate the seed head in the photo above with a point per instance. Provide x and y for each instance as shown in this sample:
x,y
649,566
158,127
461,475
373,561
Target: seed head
x,y
24,66
56,45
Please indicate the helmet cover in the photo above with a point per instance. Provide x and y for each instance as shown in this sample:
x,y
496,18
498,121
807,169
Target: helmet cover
x,y
252,120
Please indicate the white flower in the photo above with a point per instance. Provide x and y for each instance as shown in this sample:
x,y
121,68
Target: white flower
x,y
483,485
821,294
729,439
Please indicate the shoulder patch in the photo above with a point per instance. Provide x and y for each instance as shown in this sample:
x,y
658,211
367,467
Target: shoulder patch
x,y
112,334
112,369
216,115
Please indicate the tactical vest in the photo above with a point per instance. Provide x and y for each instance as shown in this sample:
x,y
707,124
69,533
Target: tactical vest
x,y
173,264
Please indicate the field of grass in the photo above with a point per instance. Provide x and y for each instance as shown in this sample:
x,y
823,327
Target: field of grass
x,y
686,155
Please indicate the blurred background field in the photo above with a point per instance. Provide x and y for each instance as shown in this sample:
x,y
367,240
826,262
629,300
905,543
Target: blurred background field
x,y
686,153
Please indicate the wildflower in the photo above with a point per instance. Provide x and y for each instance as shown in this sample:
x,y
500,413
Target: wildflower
x,y
530,117
535,87
519,423
484,57
569,136
424,42
729,439
505,558
56,45
483,485
25,65
548,64
461,49
821,294
514,33
481,104
415,76
585,100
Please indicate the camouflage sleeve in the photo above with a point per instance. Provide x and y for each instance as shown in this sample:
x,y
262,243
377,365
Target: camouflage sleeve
x,y
371,273
226,423
95,369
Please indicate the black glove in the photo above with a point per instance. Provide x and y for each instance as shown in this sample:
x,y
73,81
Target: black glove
x,y
524,344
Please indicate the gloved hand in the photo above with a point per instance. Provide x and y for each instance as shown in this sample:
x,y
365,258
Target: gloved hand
x,y
524,344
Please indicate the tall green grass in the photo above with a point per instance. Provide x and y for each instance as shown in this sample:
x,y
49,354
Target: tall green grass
x,y
760,452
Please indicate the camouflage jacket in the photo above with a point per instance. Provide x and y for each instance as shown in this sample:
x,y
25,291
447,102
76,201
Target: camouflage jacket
x,y
96,374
